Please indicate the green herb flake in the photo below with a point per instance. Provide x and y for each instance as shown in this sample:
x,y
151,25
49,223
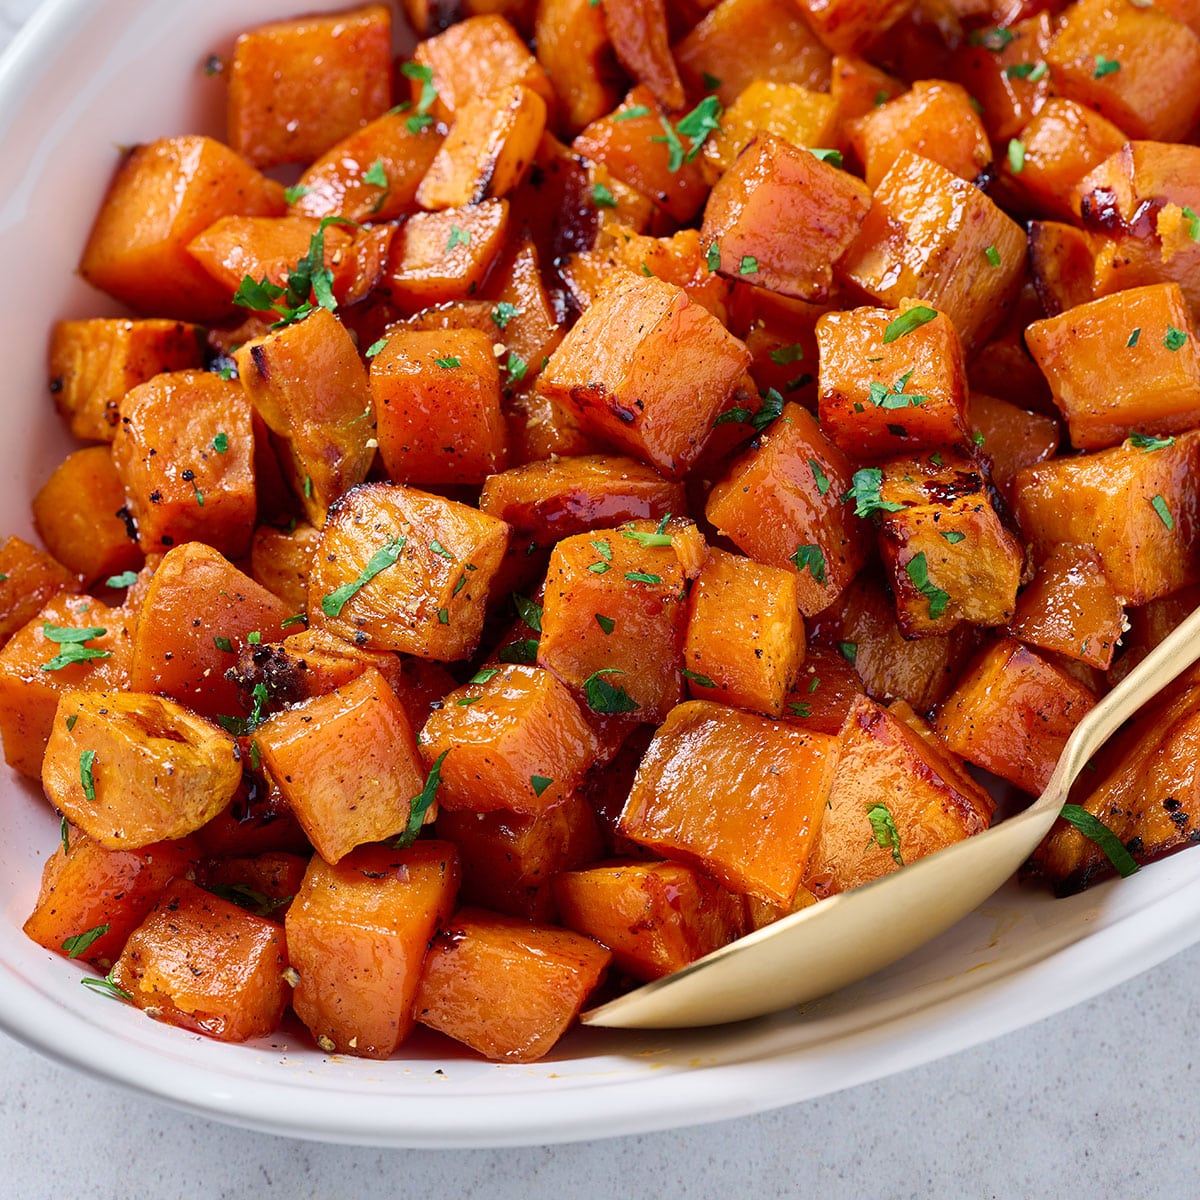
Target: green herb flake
x,y
658,538
443,616
1164,513
996,39
458,237
376,347
1147,442
1021,70
832,157
674,146
1096,831
865,492
1176,339
1192,222
422,74
822,480
64,831
71,721
748,265
293,193
811,557
308,487
1016,155
539,783
883,829
529,612
605,697
223,644
440,550
221,443
87,762
992,255
515,366
73,947
71,640
632,114
849,651
977,438
503,313
383,558
711,82
106,985
606,623
953,536
375,174
712,256
799,709
124,580
894,396
881,98
482,676
418,806
255,756
523,650
698,679
917,570
602,197
251,899
905,323
464,701
297,619
787,354
1105,66
1133,338
448,364
704,119
642,577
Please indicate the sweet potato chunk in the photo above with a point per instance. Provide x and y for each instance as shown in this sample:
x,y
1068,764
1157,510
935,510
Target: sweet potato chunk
x,y
161,197
298,87
927,236
646,369
357,934
638,30
94,363
655,917
129,768
399,569
437,400
780,217
845,25
858,87
1138,508
781,503
78,513
1123,362
28,579
1009,437
280,561
185,452
506,988
1012,713
824,690
574,49
773,781
897,796
204,964
85,886
347,764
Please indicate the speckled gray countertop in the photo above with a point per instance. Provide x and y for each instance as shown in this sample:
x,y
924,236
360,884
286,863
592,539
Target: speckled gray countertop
x,y
1100,1101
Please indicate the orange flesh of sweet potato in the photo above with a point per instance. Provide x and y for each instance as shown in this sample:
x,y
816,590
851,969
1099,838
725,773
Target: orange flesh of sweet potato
x,y
357,934
264,884
280,559
773,781
575,52
857,87
825,688
28,579
638,31
1061,260
204,964
1012,438
845,25
506,988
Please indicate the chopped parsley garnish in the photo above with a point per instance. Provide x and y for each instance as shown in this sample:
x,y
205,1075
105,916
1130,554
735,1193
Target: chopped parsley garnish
x,y
1175,338
308,487
221,443
223,644
849,651
440,550
503,313
992,255
1147,442
375,174
697,678
712,256
768,411
704,119
606,623
376,347
674,145
293,193
484,675
1105,66
458,237
977,438
443,616
883,396
298,619
883,829
418,806
810,556
448,364
71,722
995,39
333,604
106,985
528,611
906,322
605,697
917,570
642,577
1192,221
523,650
1164,513
87,762
424,75
711,82
1096,831
953,536
1133,337
819,475
64,829
515,366
1016,155
1023,70
71,640
658,538
539,783
787,354
748,265
602,197
832,157
251,899
864,491
632,114
75,946
799,709
124,580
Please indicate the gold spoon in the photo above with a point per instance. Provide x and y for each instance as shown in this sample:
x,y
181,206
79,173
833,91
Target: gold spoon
x,y
840,940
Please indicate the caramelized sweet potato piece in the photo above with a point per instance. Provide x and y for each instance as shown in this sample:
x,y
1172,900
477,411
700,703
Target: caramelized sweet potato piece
x,y
773,780
297,87
574,49
399,569
638,31
1061,260
1138,509
824,690
94,363
28,579
1012,713
161,197
646,368
897,796
357,934
264,884
204,964
780,217
85,886
858,87
280,560
655,917
781,503
1010,438
129,768
745,636
504,987
845,25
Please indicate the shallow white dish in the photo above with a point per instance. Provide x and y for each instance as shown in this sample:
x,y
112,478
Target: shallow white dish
x,y
89,75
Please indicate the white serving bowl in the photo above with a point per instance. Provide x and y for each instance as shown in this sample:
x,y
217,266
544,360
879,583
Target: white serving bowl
x,y
88,76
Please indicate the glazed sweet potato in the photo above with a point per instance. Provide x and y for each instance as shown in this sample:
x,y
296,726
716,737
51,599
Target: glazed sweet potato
x,y
28,579
280,559
574,49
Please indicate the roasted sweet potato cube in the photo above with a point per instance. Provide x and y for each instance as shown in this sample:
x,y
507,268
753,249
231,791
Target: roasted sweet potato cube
x,y
889,385
1011,713
640,40
575,52
347,764
858,87
608,596
399,569
535,329
204,964
897,796
444,256
161,197
934,119
1062,143
948,555
184,451
773,780
1070,608
739,41
297,87
437,401
78,513
198,613
515,740
1061,261
781,503
474,57
1146,334
845,25
504,987
94,363
825,687
264,884
928,236
745,635
129,768
510,860
630,143
393,153
1138,508
257,821
28,579
280,560
647,369
547,501
780,217
86,887
1148,799
357,934
1010,438
1129,64
489,149
309,385
74,642
655,917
